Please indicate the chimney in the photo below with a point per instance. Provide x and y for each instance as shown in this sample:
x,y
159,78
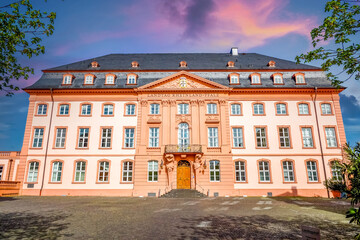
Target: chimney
x,y
234,51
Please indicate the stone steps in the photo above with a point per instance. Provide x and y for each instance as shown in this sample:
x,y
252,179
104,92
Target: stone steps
x,y
183,193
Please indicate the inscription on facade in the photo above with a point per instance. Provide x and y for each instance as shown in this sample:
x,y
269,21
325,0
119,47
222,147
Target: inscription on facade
x,y
196,95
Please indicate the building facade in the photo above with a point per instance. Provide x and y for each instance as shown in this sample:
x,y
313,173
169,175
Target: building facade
x,y
143,124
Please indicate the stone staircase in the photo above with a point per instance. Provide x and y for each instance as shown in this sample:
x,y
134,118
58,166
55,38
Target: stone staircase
x,y
183,193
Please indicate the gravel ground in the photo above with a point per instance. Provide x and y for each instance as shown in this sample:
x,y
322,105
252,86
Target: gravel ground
x,y
154,218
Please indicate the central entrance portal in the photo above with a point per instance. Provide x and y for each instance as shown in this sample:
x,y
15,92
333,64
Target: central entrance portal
x,y
183,175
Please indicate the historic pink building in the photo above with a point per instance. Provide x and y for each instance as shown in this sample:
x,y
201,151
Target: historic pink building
x,y
143,124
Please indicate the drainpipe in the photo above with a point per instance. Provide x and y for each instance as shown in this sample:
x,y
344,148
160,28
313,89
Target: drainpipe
x,y
321,147
47,142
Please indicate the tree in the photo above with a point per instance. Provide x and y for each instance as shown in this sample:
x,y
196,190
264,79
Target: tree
x,y
22,28
339,30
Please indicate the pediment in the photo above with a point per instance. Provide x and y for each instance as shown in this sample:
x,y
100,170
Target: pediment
x,y
183,80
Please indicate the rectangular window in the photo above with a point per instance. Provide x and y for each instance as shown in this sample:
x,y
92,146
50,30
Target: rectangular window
x,y
129,138
258,109
336,171
312,171
288,170
326,108
64,109
284,135
153,171
240,171
235,109
106,137
211,108
1,172
213,137
103,172
131,79
80,171
330,137
303,109
33,172
60,137
86,109
261,137
264,171
67,80
56,172
300,79
154,108
38,137
130,109
238,139
183,108
281,109
154,137
108,109
127,171
215,171
42,108
83,138
307,137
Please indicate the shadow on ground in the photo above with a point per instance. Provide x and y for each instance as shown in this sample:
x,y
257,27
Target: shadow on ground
x,y
259,227
3,199
32,226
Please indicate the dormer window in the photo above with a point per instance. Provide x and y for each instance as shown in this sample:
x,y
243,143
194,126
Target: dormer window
x,y
234,78
271,64
278,79
134,64
231,64
89,79
131,79
255,79
109,79
67,79
95,64
300,78
183,64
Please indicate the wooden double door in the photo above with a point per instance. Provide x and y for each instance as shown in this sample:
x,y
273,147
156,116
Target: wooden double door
x,y
183,175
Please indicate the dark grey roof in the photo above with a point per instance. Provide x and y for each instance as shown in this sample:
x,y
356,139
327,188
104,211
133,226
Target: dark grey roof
x,y
170,61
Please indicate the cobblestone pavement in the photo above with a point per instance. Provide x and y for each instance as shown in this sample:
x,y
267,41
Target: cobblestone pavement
x,y
153,218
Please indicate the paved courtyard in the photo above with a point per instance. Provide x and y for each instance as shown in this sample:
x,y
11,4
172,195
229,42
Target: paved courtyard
x,y
153,218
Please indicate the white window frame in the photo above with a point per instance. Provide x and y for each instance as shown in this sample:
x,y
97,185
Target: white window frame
x,y
129,138
214,170
80,170
56,171
83,141
300,79
67,80
288,171
108,109
104,171
213,137
255,79
211,108
89,79
38,137
127,173
42,109
261,137
154,109
240,171
236,109
257,109
130,109
110,79
311,167
304,110
154,133
278,79
183,108
1,172
264,171
326,109
183,134
64,109
60,138
335,171
238,137
86,109
331,137
153,171
308,141
106,134
131,79
281,109
284,136
33,172
234,79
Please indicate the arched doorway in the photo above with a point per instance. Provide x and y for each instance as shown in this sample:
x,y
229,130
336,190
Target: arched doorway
x,y
183,175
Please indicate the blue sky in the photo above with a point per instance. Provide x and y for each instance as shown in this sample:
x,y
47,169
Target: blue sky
x,y
86,29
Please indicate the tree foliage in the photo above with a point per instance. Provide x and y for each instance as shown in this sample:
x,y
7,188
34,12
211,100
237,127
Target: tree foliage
x,y
22,29
341,30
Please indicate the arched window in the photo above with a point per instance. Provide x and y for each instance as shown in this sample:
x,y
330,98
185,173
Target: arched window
x,y
264,171
214,171
183,134
104,169
56,171
311,167
33,172
335,170
127,171
240,171
80,168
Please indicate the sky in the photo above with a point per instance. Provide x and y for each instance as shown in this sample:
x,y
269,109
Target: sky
x,y
91,28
